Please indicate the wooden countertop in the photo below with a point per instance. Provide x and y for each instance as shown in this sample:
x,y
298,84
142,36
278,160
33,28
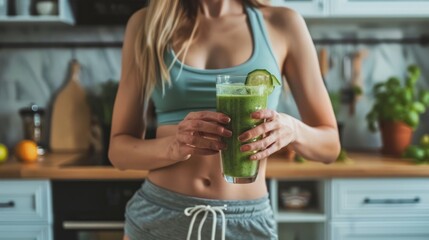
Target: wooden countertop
x,y
360,165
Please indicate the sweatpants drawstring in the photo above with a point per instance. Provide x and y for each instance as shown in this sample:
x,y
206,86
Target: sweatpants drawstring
x,y
194,211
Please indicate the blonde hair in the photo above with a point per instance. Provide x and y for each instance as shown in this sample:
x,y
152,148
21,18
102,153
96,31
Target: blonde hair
x,y
163,19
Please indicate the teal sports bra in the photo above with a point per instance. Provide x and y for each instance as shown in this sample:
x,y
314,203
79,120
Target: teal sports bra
x,y
194,89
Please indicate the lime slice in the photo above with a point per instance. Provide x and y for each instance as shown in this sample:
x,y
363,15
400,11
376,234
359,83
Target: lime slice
x,y
262,77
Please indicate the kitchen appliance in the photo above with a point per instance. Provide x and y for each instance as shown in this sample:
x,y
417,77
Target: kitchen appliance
x,y
105,12
91,210
33,123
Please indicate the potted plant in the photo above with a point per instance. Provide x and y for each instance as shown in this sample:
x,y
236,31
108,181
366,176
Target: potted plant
x,y
396,110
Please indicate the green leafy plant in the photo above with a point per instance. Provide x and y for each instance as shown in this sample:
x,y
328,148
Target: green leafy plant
x,y
419,153
396,102
101,101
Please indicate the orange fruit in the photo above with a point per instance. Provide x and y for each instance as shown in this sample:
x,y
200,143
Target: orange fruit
x,y
26,151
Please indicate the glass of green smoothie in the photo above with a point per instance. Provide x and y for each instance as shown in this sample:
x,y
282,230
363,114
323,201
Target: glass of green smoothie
x,y
238,101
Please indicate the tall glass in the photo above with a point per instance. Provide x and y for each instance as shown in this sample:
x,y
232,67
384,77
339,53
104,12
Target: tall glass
x,y
239,101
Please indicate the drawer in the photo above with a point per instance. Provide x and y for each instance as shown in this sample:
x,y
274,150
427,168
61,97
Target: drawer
x,y
26,232
25,201
408,230
379,198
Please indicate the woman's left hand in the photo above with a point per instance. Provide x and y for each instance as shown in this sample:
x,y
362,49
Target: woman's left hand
x,y
278,131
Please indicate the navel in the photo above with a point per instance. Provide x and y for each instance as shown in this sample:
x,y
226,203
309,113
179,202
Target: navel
x,y
207,182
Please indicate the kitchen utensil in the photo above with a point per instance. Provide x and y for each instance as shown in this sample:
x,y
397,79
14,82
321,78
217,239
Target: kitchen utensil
x,y
34,125
324,63
346,92
71,118
356,81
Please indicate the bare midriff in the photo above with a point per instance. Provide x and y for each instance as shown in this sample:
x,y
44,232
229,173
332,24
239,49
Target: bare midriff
x,y
201,176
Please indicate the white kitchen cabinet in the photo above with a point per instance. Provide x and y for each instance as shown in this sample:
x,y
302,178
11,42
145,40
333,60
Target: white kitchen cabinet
x,y
25,232
380,198
379,8
401,230
379,209
64,16
307,8
25,210
307,224
355,209
357,8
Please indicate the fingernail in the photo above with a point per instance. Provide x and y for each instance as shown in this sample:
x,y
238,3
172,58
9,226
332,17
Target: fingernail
x,y
256,115
227,133
253,157
245,148
242,138
226,119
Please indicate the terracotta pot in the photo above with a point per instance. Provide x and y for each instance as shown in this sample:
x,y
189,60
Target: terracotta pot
x,y
396,137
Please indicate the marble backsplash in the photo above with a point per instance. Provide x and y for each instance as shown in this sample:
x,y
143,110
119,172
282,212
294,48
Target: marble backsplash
x,y
34,75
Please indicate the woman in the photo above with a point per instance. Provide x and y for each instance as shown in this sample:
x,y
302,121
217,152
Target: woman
x,y
172,52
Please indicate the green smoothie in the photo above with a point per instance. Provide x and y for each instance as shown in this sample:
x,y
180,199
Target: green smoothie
x,y
239,107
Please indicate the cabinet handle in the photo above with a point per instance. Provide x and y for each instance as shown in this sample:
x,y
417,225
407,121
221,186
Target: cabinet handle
x,y
391,201
92,225
9,204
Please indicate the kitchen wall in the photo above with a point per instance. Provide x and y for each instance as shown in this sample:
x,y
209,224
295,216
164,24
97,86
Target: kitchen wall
x,y
34,74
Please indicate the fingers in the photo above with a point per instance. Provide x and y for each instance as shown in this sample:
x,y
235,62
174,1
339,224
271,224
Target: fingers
x,y
200,142
261,144
277,131
265,153
259,130
207,128
264,114
200,133
208,116
268,126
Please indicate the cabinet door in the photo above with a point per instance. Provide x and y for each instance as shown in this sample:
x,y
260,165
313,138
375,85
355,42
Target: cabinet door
x,y
379,199
25,232
380,8
406,230
307,8
27,201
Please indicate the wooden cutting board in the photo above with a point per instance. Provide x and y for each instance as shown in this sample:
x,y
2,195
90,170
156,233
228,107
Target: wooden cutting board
x,y
71,116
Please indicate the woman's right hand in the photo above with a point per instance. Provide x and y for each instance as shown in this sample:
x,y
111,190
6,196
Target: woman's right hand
x,y
199,134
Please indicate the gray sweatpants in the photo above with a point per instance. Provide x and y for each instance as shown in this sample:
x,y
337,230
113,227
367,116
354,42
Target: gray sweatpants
x,y
155,213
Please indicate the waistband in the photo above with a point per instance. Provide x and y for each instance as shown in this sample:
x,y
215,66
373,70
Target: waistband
x,y
178,202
